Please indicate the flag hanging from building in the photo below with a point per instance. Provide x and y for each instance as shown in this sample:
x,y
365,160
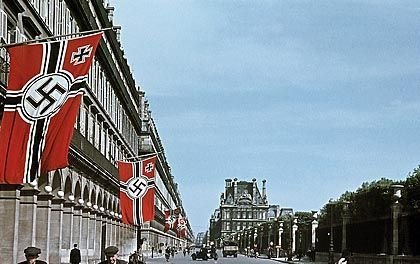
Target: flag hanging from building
x,y
169,221
181,226
42,102
137,190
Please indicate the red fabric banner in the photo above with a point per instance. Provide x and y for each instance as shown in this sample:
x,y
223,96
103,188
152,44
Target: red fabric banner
x,y
181,226
137,190
169,221
42,103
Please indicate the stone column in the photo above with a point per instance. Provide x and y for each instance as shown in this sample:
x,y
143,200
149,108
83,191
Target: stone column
x,y
67,238
346,220
91,233
314,226
98,235
118,233
396,210
43,220
56,230
294,229
108,226
84,234
9,217
77,225
279,241
27,219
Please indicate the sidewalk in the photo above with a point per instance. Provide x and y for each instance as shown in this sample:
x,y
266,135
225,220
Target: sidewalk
x,y
304,260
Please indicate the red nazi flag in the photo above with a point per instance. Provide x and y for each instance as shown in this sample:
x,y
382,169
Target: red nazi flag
x,y
137,190
42,102
181,227
169,221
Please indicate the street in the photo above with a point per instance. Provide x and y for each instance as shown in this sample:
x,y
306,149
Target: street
x,y
180,259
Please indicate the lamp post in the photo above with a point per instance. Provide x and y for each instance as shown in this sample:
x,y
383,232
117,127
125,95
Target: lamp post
x,y
293,226
396,210
331,250
280,233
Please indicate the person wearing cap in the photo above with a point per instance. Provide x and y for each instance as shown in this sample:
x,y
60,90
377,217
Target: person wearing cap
x,y
111,254
31,255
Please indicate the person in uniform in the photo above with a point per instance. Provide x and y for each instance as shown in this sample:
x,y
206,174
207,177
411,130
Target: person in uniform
x,y
75,257
111,254
31,255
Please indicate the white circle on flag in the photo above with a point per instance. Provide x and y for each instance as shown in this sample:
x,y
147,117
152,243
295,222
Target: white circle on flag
x,y
44,95
136,187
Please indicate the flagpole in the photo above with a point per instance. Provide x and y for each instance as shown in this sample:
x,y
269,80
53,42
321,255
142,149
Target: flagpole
x,y
137,157
59,36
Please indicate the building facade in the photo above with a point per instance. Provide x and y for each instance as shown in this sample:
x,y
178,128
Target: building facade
x,y
80,203
242,205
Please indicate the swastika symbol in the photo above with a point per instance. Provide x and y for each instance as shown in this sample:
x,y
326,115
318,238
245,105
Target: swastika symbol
x,y
46,95
137,187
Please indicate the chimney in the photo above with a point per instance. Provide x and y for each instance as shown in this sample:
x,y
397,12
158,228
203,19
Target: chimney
x,y
263,190
254,191
235,190
227,185
110,10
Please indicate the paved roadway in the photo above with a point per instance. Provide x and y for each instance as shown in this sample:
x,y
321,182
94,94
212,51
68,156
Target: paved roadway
x,y
180,259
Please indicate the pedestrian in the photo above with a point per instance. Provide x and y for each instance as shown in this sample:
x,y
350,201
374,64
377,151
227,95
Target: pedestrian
x,y
75,257
111,254
31,255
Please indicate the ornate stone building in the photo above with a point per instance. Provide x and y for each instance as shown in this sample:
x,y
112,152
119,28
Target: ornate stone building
x,y
80,203
242,205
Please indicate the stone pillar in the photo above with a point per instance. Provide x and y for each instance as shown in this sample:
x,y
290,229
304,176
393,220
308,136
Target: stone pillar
x,y
396,210
56,230
84,234
279,241
67,238
314,226
92,232
346,220
118,233
294,229
43,219
77,225
98,235
9,217
108,239
27,219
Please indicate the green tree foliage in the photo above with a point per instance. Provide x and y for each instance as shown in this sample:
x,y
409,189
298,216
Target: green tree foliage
x,y
373,200
411,192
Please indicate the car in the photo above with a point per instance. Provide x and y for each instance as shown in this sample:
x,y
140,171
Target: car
x,y
204,254
230,248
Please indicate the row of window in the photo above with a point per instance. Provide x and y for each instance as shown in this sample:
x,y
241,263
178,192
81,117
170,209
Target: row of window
x,y
249,214
238,226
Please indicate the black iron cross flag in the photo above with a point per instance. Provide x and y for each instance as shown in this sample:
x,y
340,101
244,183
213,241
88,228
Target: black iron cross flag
x,y
42,102
137,190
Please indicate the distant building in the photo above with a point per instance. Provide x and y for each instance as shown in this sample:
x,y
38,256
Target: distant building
x,y
199,239
242,205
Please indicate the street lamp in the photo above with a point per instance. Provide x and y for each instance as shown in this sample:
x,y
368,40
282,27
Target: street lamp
x,y
331,250
293,221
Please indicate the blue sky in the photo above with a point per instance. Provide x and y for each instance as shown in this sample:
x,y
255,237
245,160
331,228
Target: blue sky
x,y
316,97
